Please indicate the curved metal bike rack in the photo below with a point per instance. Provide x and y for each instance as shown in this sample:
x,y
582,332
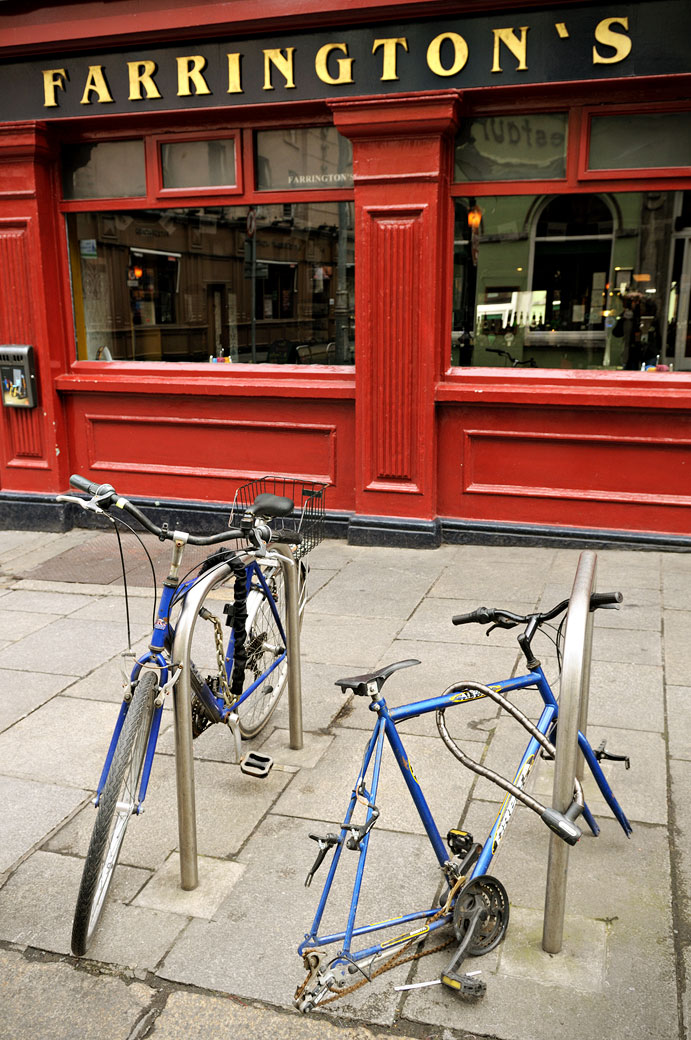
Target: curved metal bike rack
x,y
182,699
573,713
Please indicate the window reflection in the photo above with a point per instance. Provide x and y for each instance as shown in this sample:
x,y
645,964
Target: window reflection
x,y
596,281
215,284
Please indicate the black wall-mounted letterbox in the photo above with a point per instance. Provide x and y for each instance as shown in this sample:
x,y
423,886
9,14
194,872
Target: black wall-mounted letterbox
x,y
18,376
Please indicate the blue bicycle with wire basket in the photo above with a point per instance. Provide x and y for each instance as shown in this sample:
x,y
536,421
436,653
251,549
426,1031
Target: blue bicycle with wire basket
x,y
238,683
472,901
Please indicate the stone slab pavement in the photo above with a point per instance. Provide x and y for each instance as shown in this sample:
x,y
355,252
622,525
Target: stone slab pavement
x,y
221,960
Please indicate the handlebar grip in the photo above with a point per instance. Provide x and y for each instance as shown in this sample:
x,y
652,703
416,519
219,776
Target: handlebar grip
x,y
88,486
605,599
481,616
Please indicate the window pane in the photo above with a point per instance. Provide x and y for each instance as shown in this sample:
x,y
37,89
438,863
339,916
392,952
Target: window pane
x,y
640,142
599,281
500,148
109,170
189,284
198,164
312,157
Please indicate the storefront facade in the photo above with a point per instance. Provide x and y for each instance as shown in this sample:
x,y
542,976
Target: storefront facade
x,y
438,258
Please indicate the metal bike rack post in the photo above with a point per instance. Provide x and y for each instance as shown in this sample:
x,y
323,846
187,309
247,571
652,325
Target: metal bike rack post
x,y
289,567
573,706
182,700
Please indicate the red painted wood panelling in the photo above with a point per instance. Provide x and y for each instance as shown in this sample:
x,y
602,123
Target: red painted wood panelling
x,y
202,449
583,467
393,244
22,431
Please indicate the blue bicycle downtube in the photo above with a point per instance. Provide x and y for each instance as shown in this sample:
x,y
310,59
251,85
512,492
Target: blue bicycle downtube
x,y
524,770
364,844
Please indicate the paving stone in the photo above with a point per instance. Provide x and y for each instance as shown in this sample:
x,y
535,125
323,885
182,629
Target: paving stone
x,y
29,917
228,802
163,891
47,601
432,621
581,963
277,745
626,696
198,1017
108,681
32,811
380,590
15,624
346,639
680,773
63,743
679,716
223,954
68,646
51,1001
22,692
677,651
324,792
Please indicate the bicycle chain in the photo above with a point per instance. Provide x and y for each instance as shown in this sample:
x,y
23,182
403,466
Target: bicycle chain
x,y
220,656
397,957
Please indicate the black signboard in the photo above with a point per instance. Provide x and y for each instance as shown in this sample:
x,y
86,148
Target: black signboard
x,y
592,41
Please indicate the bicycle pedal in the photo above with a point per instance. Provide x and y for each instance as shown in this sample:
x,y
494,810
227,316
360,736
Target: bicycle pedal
x,y
255,764
464,985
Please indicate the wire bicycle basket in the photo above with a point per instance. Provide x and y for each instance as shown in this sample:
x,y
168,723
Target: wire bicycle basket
x,y
308,516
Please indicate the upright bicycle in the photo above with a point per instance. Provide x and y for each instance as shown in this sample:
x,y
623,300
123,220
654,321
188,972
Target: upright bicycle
x,y
239,684
472,901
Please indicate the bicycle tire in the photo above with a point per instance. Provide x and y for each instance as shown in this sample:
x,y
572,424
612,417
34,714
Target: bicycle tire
x,y
264,644
116,806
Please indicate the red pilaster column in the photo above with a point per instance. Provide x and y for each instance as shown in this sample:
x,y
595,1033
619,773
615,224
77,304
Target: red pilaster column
x,y
402,162
31,310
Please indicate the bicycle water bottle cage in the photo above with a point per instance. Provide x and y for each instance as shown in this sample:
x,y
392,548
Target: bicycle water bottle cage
x,y
366,685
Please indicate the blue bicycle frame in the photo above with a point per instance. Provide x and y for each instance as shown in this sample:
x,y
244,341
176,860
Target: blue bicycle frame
x,y
386,729
156,657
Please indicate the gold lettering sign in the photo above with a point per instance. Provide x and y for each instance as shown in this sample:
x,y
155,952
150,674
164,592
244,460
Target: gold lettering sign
x,y
190,71
96,83
234,81
516,45
434,54
345,65
141,74
389,71
53,79
620,43
284,64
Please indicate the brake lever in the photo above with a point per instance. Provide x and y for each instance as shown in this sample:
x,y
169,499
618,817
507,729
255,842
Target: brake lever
x,y
91,505
502,624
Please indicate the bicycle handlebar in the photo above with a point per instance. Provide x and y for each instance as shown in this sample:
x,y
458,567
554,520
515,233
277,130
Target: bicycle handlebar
x,y
106,496
507,619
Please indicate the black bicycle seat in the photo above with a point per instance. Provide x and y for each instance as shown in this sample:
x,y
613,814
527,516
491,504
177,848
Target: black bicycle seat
x,y
359,683
269,506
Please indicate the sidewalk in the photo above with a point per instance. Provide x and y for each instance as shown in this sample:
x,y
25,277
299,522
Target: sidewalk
x,y
221,961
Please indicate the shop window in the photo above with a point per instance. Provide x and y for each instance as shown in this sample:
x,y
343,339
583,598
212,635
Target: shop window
x,y
198,164
105,170
274,283
308,157
638,142
598,281
505,147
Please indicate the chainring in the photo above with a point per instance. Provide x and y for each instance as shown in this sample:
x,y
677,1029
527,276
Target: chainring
x,y
491,895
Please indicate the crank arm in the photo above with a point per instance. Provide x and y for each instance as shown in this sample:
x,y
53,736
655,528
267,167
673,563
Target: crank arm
x,y
467,986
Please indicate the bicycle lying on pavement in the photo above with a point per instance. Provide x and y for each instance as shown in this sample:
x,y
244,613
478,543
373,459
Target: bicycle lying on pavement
x,y
472,901
247,672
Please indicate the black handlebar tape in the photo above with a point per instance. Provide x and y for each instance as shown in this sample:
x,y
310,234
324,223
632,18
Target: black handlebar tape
x,y
481,616
605,599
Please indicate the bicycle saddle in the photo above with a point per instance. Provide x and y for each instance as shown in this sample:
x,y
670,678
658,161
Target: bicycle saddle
x,y
359,683
268,506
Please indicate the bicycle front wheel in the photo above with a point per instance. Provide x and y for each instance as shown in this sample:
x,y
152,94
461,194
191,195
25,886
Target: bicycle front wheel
x,y
264,647
117,804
